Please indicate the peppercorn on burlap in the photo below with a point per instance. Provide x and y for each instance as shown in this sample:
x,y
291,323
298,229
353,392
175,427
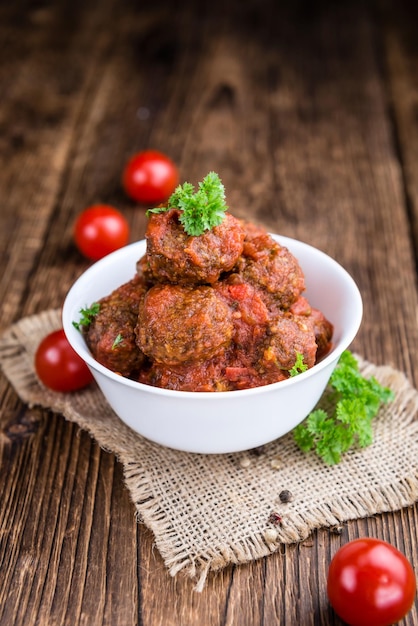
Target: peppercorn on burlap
x,y
208,511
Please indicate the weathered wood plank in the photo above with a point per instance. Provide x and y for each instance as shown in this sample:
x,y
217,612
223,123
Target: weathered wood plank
x,y
400,66
312,137
44,82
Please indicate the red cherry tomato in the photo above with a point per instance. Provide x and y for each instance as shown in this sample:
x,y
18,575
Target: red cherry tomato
x,y
99,230
370,583
58,366
150,177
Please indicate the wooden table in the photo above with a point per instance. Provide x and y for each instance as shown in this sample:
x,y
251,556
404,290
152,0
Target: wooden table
x,y
309,113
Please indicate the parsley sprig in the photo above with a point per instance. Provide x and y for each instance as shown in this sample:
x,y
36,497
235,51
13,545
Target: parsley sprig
x,y
200,210
299,365
353,403
87,315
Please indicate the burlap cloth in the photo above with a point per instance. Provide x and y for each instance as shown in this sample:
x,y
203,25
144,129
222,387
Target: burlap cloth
x,y
208,511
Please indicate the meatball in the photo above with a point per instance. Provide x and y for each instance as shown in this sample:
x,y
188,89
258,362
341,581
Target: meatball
x,y
143,271
323,330
178,324
322,327
205,375
271,267
111,334
176,257
290,335
246,377
249,316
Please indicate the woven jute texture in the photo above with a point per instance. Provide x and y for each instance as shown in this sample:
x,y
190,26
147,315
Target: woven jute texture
x,y
208,511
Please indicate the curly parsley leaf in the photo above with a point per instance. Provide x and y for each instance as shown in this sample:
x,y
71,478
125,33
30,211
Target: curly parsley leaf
x,y
87,315
200,210
353,401
299,365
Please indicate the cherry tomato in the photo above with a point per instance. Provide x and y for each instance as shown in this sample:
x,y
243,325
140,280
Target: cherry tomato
x,y
150,177
58,366
370,583
99,230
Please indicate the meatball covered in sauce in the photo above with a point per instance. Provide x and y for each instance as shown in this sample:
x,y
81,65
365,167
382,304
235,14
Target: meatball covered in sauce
x,y
322,327
323,330
111,333
174,256
290,335
178,323
271,268
206,375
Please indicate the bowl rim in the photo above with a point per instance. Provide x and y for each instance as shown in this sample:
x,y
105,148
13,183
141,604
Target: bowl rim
x,y
83,351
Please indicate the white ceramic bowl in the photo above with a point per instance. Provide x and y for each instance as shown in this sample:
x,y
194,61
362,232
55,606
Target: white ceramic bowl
x,y
229,421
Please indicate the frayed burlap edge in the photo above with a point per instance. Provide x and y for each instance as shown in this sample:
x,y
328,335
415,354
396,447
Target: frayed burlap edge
x,y
210,511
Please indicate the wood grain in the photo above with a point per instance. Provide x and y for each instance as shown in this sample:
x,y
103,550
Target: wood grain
x,y
308,111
